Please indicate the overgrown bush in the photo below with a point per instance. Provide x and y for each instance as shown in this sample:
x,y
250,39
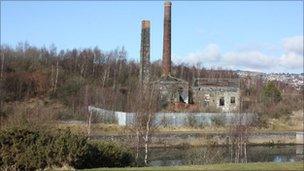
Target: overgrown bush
x,y
69,115
24,149
18,85
70,91
70,149
31,149
111,155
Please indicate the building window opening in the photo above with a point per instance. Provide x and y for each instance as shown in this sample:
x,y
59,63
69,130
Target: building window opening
x,y
232,100
180,95
181,99
222,101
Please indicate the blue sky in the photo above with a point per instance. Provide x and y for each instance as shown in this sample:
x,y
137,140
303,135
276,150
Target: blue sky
x,y
259,36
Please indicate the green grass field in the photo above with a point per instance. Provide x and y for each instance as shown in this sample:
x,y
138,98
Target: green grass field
x,y
229,166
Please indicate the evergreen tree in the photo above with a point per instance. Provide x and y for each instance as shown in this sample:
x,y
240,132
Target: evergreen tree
x,y
270,94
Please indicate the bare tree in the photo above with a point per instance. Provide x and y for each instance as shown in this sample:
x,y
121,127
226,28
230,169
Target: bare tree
x,y
1,93
2,67
145,105
238,138
86,109
56,77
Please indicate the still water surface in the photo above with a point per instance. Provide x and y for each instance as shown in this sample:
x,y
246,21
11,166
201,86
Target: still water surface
x,y
222,154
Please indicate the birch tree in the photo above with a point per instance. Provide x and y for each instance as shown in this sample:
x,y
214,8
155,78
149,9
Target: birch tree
x,y
145,105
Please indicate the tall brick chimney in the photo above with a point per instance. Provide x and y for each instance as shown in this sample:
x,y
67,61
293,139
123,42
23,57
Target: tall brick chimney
x,y
167,40
145,52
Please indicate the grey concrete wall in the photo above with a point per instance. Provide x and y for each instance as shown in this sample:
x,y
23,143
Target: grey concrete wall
x,y
300,137
176,119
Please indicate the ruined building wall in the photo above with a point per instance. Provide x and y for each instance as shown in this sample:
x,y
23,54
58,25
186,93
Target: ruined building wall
x,y
145,53
171,89
223,93
227,99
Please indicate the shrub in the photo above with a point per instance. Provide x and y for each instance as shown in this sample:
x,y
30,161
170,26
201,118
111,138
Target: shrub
x,y
70,115
32,149
70,149
70,90
19,85
108,154
24,149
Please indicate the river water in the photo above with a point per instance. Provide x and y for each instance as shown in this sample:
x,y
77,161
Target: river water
x,y
223,154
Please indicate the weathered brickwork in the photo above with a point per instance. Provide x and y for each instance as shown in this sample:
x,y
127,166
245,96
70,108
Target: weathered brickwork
x,y
145,53
167,40
171,89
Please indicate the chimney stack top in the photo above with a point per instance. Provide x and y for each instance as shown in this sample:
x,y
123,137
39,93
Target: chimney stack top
x,y
167,3
145,23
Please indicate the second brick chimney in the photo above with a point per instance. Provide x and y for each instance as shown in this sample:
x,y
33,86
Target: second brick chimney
x,y
166,63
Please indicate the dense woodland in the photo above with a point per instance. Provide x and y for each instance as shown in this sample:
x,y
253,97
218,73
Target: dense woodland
x,y
77,78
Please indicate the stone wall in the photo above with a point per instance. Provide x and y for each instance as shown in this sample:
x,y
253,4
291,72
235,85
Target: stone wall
x,y
172,90
211,95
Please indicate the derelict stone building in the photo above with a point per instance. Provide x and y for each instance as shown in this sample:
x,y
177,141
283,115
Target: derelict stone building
x,y
171,89
222,94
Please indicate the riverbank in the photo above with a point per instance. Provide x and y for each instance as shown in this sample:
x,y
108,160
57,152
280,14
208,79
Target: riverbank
x,y
280,131
294,124
229,166
180,139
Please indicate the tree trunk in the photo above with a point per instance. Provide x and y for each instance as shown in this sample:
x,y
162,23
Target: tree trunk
x,y
147,138
137,146
105,77
89,125
52,78
86,109
1,77
245,152
146,152
93,66
2,67
56,78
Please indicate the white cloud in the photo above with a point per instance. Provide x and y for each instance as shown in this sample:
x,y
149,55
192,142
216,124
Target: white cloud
x,y
291,60
293,44
253,59
211,53
293,55
250,59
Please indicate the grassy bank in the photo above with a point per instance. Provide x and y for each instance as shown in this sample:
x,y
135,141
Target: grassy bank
x,y
227,166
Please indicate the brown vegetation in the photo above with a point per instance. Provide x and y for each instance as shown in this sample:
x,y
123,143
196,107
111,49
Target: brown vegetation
x,y
77,78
